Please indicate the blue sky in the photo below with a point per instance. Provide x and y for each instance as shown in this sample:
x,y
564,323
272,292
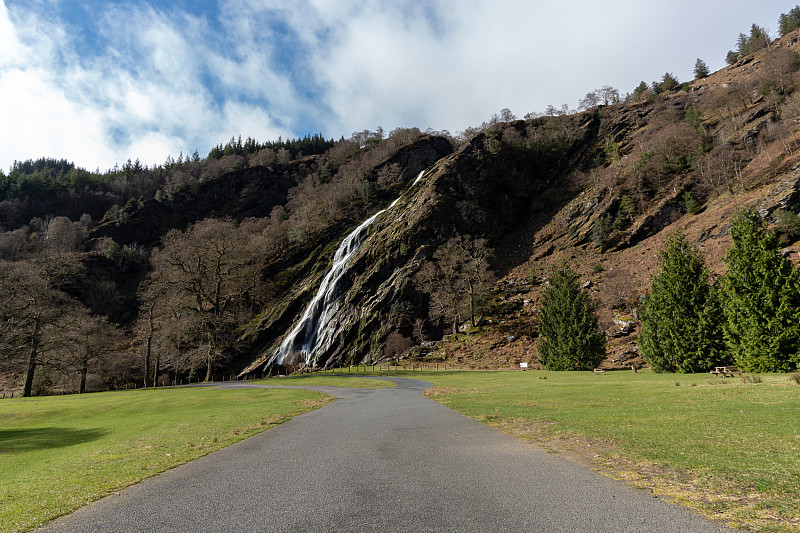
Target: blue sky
x,y
98,82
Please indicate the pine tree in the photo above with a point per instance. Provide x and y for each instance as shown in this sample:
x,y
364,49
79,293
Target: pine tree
x,y
761,300
668,82
568,325
701,70
640,91
790,21
682,318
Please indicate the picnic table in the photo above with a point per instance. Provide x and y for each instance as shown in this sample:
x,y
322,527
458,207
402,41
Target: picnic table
x,y
726,371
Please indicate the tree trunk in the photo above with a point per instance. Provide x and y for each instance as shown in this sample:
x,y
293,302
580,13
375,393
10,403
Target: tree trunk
x,y
28,388
155,372
472,303
84,370
148,345
146,360
34,353
208,365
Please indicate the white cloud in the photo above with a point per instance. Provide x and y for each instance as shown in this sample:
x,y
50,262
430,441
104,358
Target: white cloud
x,y
174,82
11,50
383,67
144,96
38,116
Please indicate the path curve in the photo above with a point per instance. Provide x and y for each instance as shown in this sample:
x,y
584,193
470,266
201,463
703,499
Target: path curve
x,y
381,460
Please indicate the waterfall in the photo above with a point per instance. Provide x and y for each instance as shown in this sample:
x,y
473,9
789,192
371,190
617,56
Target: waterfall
x,y
314,330
313,333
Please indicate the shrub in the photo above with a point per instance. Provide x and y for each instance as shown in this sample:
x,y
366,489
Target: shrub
x,y
568,326
689,203
396,345
694,118
788,224
601,230
611,150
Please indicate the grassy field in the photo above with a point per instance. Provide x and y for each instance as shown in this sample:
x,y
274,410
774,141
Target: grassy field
x,y
729,447
58,453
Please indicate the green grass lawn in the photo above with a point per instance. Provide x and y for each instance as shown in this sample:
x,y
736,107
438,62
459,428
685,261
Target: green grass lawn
x,y
58,453
727,447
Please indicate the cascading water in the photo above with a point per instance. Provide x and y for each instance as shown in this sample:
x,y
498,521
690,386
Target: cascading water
x,y
313,333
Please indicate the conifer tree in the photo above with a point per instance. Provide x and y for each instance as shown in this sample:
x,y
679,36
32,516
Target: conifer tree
x,y
761,300
790,21
701,70
682,318
568,325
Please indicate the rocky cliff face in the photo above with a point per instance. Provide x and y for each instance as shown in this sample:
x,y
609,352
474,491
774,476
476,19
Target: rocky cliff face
x,y
598,190
485,189
305,266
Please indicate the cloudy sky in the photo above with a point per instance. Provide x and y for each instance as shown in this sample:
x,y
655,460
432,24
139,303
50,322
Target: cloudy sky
x,y
101,81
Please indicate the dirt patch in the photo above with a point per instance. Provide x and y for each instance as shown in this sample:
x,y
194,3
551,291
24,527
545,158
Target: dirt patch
x,y
315,403
441,391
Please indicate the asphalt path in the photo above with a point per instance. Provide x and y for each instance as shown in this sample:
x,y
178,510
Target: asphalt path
x,y
381,460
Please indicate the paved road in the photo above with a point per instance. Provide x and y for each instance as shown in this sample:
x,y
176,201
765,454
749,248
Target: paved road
x,y
381,460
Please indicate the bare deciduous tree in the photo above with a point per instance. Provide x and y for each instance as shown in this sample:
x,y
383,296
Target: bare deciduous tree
x,y
457,279
38,322
207,275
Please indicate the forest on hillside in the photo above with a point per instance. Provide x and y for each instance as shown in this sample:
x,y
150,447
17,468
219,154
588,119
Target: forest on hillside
x,y
151,275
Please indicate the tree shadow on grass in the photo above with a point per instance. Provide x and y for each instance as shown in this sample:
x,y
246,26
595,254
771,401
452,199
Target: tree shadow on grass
x,y
32,439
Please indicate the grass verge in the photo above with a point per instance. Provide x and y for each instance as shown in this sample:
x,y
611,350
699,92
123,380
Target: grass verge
x,y
60,453
727,447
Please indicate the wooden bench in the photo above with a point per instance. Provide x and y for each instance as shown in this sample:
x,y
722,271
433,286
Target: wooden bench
x,y
726,371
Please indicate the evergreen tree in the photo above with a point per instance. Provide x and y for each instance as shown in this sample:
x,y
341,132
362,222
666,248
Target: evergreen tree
x,y
701,70
568,325
761,300
790,21
668,82
748,44
682,318
640,91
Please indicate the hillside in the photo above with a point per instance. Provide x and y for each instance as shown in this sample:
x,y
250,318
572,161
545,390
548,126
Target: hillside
x,y
598,190
539,189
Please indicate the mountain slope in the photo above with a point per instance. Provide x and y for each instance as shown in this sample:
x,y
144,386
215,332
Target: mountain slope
x,y
598,190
